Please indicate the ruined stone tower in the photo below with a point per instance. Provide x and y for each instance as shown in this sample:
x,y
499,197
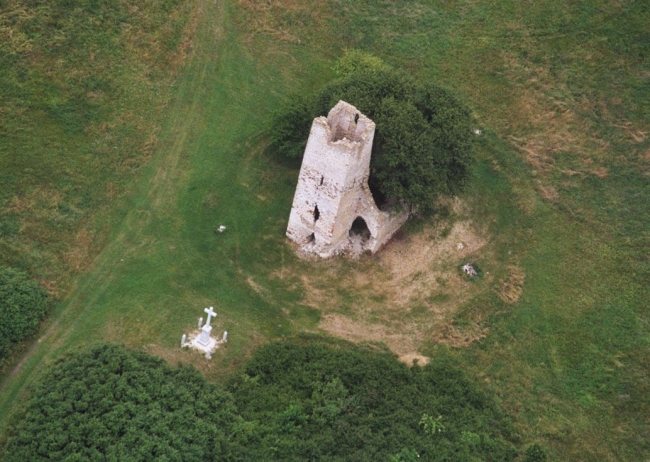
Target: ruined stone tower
x,y
333,209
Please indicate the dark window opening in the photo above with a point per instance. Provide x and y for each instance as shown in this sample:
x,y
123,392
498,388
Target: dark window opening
x,y
356,118
322,178
360,228
311,238
316,213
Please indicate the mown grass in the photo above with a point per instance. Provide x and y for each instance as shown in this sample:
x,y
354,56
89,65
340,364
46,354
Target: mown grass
x,y
561,184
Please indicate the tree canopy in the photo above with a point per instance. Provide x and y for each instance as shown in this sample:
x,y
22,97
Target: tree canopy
x,y
349,403
109,403
423,140
23,304
292,401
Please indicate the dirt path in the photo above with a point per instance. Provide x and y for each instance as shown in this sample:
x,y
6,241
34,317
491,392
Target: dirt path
x,y
160,192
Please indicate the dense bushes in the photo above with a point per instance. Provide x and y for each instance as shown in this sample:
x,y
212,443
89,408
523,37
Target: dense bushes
x,y
353,404
293,401
23,304
423,140
109,403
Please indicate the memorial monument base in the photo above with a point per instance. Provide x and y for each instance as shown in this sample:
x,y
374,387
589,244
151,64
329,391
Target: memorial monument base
x,y
201,340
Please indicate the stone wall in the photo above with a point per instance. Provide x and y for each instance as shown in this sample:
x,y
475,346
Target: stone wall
x,y
332,193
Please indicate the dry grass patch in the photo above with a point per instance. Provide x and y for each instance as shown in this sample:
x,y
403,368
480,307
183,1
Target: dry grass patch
x,y
291,21
406,294
547,128
254,285
547,192
413,359
600,172
511,287
182,52
81,255
401,338
458,337
632,132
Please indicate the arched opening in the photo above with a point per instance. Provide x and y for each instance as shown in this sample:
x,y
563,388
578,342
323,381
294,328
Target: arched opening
x,y
316,214
360,228
311,238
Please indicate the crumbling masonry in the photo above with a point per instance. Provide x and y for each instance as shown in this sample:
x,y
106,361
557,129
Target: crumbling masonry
x,y
333,209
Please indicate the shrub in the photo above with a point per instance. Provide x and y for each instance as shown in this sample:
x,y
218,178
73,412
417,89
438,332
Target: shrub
x,y
293,401
109,403
356,60
23,304
535,453
355,404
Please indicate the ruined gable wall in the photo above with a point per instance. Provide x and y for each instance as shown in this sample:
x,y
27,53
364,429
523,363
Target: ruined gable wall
x,y
321,183
332,188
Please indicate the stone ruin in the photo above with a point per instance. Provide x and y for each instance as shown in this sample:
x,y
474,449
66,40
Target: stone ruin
x,y
333,210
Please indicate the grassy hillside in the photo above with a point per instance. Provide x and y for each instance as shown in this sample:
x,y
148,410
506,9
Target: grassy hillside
x,y
557,216
81,83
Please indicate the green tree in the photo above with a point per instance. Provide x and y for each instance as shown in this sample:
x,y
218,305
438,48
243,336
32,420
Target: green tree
x,y
23,304
307,399
109,403
290,127
405,163
535,453
423,140
360,405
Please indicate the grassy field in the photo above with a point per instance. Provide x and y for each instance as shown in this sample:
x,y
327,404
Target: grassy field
x,y
557,216
80,86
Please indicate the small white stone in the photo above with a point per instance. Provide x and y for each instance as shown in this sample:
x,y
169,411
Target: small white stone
x,y
221,228
469,270
460,246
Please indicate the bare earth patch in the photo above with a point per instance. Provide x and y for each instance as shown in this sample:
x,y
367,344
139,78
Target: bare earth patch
x,y
406,294
359,331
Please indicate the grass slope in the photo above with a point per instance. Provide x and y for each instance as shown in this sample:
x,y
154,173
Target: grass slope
x,y
561,188
81,84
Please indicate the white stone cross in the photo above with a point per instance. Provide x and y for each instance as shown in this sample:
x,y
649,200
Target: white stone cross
x,y
211,314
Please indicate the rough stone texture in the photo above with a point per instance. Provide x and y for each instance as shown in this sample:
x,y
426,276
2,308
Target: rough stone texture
x,y
332,192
